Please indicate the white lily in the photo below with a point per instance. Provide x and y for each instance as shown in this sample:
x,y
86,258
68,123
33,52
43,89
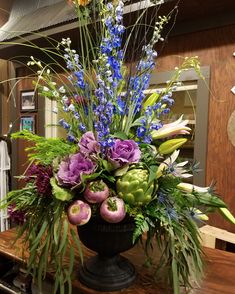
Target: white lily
x,y
175,128
190,188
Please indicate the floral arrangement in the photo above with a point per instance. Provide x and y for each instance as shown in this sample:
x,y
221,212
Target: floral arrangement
x,y
119,158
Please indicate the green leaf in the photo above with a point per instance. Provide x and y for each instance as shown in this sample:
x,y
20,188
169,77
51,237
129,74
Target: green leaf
x,y
71,261
108,177
65,235
55,232
121,171
120,135
138,122
90,177
60,193
152,173
107,165
209,199
40,234
175,277
68,280
39,274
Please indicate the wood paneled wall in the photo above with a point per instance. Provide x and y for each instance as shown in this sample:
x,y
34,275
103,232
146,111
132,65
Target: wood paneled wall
x,y
214,48
20,156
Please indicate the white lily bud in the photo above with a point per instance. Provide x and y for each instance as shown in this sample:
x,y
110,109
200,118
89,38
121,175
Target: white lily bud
x,y
190,188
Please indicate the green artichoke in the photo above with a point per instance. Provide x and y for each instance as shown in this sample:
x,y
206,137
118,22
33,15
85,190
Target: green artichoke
x,y
133,187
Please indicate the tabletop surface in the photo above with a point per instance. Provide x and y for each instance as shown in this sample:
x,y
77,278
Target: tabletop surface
x,y
219,270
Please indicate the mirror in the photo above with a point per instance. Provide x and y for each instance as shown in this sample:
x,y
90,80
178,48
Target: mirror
x,y
191,99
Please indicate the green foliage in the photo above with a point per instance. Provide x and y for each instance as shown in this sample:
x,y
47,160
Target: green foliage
x,y
45,150
59,192
169,182
143,225
45,235
178,240
24,198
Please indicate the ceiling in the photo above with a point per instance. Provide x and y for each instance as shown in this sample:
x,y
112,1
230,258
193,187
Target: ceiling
x,y
5,9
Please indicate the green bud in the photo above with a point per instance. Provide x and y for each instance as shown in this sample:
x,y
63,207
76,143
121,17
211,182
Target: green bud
x,y
152,99
227,214
171,145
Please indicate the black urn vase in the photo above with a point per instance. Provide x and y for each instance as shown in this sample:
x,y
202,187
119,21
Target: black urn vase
x,y
108,270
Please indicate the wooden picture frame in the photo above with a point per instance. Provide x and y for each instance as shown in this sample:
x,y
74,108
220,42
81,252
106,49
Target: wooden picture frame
x,y
28,122
28,100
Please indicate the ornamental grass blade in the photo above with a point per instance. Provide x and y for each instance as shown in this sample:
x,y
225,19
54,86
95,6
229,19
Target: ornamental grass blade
x,y
175,276
68,281
77,242
64,236
40,234
71,260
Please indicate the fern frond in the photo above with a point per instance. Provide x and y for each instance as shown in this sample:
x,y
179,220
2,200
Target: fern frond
x,y
45,150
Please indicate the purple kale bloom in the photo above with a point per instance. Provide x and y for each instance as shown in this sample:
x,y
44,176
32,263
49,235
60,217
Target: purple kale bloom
x,y
41,176
124,152
72,168
88,144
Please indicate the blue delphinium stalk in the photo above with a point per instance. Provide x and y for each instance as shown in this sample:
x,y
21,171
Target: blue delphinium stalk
x,y
140,81
73,64
76,104
147,125
109,72
64,124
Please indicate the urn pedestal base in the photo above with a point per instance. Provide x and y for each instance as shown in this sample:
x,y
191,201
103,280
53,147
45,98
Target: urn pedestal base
x,y
107,273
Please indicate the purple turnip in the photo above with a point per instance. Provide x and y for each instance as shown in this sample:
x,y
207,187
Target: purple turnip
x,y
79,213
112,210
96,192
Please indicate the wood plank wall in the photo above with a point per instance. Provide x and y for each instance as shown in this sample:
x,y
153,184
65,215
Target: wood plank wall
x,y
20,156
214,48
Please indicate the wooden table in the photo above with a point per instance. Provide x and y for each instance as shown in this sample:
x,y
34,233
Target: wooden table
x,y
219,273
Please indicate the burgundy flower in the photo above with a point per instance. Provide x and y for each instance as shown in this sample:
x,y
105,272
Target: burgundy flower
x,y
124,152
72,168
17,216
88,144
41,176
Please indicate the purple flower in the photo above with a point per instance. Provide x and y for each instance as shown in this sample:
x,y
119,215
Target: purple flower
x,y
72,168
17,217
124,152
88,144
41,176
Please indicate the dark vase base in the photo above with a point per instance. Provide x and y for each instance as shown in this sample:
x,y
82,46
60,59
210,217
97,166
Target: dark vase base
x,y
107,273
